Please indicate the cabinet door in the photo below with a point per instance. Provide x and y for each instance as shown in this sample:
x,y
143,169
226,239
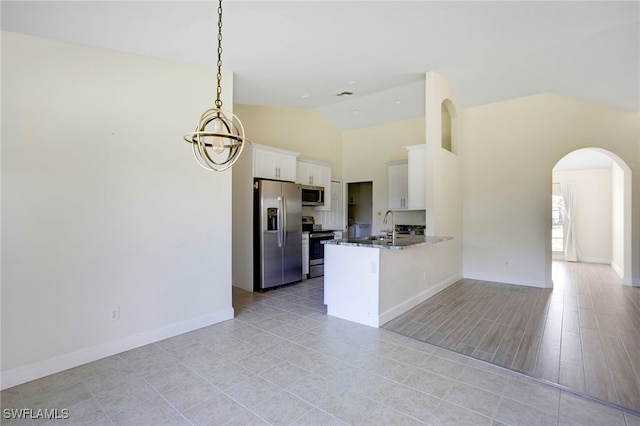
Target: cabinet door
x,y
323,178
398,178
274,165
265,164
417,185
287,165
303,173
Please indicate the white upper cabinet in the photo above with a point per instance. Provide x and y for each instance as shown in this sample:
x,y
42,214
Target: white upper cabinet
x,y
274,163
397,181
315,173
406,181
417,177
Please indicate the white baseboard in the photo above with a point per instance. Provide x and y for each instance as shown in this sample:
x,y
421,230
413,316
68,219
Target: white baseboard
x,y
618,270
512,281
631,282
595,260
59,363
403,307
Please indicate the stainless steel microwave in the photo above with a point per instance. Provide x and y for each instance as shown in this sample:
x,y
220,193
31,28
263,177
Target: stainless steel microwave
x,y
312,195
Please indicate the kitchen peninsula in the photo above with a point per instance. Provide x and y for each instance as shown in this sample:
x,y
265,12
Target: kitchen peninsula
x,y
374,279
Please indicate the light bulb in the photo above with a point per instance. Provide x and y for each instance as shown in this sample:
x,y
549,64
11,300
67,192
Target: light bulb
x,y
218,142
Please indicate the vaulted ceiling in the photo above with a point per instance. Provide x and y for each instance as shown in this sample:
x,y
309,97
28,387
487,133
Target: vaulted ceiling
x,y
302,54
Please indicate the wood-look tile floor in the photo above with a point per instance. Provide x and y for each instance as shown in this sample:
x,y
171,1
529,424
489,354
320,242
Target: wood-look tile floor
x,y
583,334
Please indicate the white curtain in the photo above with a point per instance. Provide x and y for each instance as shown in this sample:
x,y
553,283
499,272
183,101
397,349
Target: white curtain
x,y
568,190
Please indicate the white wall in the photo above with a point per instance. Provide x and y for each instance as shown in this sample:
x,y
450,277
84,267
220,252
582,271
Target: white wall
x,y
593,215
510,149
104,206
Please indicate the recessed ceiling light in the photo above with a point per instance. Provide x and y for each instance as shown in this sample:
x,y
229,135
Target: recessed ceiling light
x,y
397,101
355,111
306,96
352,82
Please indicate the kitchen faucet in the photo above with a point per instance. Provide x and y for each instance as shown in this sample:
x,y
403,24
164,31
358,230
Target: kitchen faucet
x,y
393,225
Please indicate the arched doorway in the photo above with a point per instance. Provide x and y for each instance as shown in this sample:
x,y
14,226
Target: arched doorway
x,y
599,184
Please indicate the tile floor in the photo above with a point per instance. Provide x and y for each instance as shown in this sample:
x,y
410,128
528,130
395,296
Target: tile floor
x,y
583,334
282,360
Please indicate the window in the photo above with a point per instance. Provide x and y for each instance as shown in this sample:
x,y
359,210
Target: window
x,y
557,220
446,127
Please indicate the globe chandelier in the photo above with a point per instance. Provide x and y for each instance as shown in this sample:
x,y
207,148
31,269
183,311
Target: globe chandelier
x,y
218,139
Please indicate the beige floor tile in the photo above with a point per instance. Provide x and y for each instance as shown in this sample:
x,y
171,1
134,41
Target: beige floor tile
x,y
483,379
318,417
517,413
215,411
282,408
538,395
189,393
447,414
154,411
252,392
313,389
473,398
575,410
411,402
428,382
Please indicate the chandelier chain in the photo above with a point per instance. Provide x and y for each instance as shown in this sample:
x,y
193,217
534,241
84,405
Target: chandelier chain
x,y
218,102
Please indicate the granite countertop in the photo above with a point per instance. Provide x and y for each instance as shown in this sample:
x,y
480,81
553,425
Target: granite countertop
x,y
402,242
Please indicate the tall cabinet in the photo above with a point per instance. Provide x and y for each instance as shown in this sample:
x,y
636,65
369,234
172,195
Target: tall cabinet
x,y
398,181
417,177
406,180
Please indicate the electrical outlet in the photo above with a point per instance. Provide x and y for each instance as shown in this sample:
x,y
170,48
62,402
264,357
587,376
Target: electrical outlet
x,y
115,314
424,275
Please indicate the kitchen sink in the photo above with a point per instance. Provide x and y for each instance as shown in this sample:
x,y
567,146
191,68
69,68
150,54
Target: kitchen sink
x,y
381,239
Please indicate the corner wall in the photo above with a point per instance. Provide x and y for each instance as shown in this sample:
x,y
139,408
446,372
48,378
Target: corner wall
x,y
103,205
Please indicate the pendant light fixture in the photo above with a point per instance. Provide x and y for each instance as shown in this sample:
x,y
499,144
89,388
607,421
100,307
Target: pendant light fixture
x,y
218,139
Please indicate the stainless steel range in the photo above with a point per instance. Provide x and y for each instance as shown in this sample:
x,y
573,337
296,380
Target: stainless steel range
x,y
316,248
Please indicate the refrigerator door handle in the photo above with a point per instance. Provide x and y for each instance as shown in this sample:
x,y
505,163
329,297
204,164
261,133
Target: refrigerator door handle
x,y
284,221
280,203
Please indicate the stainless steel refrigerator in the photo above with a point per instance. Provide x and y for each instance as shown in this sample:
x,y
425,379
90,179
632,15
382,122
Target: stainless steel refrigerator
x,y
277,233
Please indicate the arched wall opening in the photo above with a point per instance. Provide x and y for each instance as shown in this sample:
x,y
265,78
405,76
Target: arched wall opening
x,y
601,183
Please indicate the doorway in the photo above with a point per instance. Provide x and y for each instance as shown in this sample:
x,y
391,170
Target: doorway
x,y
360,208
591,204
